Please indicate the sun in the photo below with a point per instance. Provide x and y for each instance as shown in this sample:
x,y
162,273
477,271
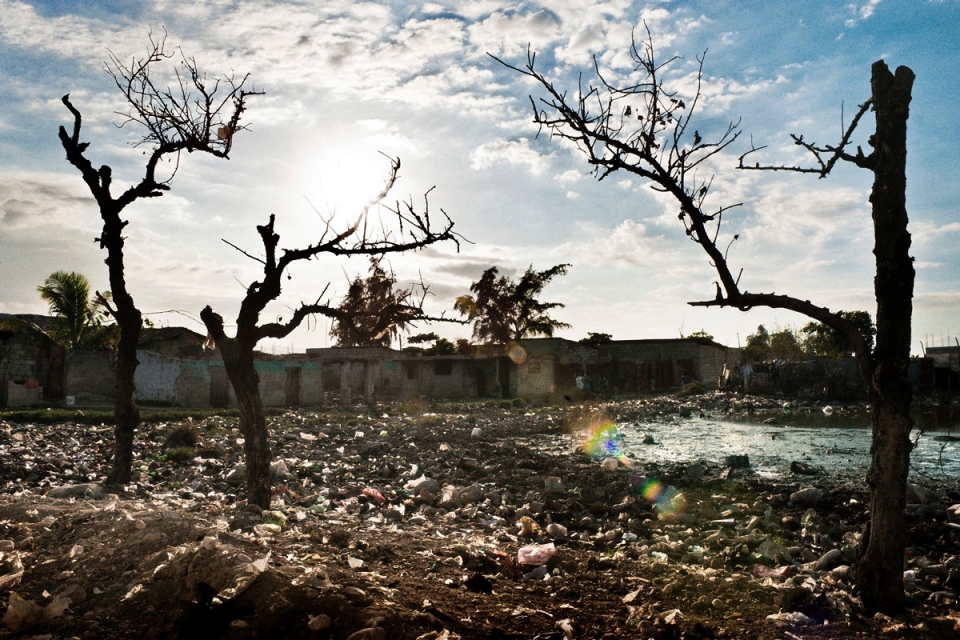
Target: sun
x,y
343,179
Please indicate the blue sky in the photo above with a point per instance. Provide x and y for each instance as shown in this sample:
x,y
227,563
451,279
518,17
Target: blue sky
x,y
346,81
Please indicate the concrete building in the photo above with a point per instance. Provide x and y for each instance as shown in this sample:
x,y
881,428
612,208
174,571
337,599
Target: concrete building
x,y
176,370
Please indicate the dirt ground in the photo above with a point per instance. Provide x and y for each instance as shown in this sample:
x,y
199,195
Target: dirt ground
x,y
443,521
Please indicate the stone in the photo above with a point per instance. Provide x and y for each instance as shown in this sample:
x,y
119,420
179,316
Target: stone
x,y
319,622
920,495
609,464
953,513
373,633
555,530
86,490
553,485
473,493
829,560
802,469
694,471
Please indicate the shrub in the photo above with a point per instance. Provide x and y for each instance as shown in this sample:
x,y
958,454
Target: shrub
x,y
184,434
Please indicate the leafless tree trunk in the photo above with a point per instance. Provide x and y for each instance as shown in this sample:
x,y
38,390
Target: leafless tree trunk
x,y
191,117
644,129
414,231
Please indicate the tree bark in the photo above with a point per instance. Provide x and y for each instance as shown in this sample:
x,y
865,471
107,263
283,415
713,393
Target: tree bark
x,y
239,365
130,320
126,411
880,565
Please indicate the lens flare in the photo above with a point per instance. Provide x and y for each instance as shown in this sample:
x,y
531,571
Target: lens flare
x,y
668,500
516,353
603,439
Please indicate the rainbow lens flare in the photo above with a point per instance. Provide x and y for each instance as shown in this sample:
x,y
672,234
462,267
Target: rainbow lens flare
x,y
603,439
668,500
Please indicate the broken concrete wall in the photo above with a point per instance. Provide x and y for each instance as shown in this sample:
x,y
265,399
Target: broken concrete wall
x,y
156,379
311,383
193,384
90,377
536,377
20,363
439,377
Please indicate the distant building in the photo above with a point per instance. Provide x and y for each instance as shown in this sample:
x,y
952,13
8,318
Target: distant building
x,y
176,370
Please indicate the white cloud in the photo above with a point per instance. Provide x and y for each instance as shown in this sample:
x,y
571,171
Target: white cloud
x,y
861,11
511,152
628,244
568,177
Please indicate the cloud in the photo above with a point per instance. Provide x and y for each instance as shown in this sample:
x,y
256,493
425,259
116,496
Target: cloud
x,y
49,201
628,244
511,152
861,11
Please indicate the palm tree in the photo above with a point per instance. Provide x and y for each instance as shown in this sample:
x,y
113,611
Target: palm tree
x,y
77,319
68,295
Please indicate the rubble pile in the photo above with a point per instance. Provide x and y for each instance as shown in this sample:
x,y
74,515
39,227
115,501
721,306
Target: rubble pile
x,y
482,520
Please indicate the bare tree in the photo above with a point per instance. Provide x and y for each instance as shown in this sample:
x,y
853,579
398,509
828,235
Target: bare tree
x,y
644,129
413,231
196,114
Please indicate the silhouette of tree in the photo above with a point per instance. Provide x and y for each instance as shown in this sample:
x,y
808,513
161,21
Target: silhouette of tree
x,y
642,128
822,340
414,231
502,310
196,114
362,304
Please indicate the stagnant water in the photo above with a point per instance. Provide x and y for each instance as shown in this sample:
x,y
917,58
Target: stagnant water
x,y
837,444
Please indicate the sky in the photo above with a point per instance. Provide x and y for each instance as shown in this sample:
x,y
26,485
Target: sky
x,y
346,82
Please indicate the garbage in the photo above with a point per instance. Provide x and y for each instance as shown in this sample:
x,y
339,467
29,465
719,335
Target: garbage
x,y
374,495
609,464
536,554
792,617
807,497
739,461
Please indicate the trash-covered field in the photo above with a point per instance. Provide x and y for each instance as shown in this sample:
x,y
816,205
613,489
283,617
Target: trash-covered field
x,y
443,521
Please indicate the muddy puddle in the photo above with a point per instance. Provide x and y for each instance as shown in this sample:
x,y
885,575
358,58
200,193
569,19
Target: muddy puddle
x,y
837,444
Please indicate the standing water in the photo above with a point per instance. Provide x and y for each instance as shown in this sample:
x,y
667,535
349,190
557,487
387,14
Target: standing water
x,y
833,442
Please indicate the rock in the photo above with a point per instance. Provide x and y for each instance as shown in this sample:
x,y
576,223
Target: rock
x,y
373,633
553,485
87,490
829,560
648,439
953,513
22,614
807,497
920,495
694,471
843,573
319,622
555,530
802,469
609,464
473,493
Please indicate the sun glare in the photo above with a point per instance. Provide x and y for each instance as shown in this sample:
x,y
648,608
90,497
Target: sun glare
x,y
343,182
